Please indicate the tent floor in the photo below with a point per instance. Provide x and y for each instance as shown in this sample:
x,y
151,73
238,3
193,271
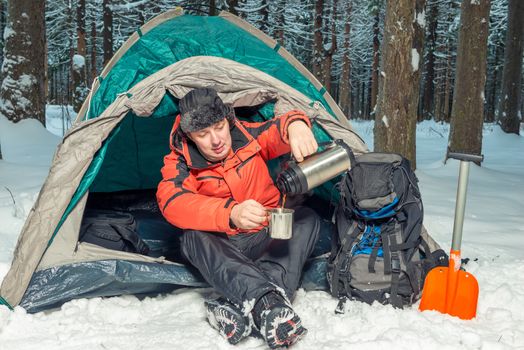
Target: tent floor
x,y
52,287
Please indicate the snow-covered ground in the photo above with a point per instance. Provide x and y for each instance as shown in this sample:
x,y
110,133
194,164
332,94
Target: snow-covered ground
x,y
493,239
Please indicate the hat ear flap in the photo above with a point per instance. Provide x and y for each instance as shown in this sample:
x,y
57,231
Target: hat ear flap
x,y
230,115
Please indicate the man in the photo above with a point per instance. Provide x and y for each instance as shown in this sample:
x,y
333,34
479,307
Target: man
x,y
216,186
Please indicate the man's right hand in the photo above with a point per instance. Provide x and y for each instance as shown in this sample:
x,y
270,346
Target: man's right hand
x,y
248,215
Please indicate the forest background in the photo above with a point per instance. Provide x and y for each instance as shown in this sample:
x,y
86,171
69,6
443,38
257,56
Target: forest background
x,y
397,62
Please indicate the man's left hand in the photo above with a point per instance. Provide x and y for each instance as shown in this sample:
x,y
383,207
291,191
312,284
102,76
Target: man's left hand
x,y
301,140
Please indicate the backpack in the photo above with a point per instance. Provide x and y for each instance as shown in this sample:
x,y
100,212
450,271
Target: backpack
x,y
112,229
380,250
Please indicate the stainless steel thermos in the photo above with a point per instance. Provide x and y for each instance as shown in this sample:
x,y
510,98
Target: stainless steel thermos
x,y
298,178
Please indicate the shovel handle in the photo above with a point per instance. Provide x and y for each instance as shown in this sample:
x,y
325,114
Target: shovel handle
x,y
462,189
466,157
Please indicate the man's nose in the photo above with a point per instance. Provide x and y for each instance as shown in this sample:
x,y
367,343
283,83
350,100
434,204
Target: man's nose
x,y
215,140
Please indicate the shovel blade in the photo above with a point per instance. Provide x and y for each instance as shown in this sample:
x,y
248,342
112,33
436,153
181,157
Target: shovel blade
x,y
450,292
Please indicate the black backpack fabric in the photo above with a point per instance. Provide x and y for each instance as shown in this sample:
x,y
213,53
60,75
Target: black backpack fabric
x,y
379,252
113,230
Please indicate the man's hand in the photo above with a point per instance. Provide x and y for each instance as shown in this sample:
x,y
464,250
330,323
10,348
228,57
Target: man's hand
x,y
248,215
301,140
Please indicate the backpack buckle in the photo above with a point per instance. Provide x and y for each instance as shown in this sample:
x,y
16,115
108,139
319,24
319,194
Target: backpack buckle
x,y
395,263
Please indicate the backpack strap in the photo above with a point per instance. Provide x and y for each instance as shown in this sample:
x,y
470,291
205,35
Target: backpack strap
x,y
384,236
395,257
340,306
132,238
345,245
395,278
374,249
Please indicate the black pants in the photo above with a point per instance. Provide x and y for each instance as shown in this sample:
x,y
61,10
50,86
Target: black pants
x,y
244,267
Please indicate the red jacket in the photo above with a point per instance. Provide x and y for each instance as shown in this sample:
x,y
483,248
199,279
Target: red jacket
x,y
197,194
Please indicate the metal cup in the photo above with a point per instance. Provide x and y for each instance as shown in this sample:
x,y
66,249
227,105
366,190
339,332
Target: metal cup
x,y
281,223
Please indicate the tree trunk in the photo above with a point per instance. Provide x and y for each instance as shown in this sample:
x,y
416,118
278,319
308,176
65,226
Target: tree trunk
x,y
419,34
492,85
81,27
212,7
264,12
446,110
344,93
328,61
318,48
2,28
94,71
509,101
78,71
376,61
467,113
396,114
233,4
428,105
278,28
141,18
22,93
107,31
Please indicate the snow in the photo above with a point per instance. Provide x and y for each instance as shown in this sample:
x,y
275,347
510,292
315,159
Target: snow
x,y
79,62
493,239
8,32
421,19
385,121
415,59
59,118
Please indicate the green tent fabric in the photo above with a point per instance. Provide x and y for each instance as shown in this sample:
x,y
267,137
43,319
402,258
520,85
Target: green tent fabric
x,y
186,36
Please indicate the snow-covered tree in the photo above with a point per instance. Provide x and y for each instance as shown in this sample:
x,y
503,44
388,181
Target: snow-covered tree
x,y
22,93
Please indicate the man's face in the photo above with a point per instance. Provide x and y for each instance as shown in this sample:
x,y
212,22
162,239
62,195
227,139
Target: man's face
x,y
214,142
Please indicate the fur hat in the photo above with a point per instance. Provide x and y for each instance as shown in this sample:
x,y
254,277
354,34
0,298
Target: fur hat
x,y
202,107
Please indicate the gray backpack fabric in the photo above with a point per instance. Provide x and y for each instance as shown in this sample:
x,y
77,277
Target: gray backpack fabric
x,y
380,251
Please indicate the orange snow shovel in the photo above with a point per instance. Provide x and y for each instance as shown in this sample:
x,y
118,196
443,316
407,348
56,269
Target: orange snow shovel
x,y
451,290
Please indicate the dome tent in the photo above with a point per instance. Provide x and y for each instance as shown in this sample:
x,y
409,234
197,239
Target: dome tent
x,y
121,135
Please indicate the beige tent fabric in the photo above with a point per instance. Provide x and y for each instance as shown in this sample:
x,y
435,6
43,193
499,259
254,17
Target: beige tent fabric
x,y
65,241
237,84
72,159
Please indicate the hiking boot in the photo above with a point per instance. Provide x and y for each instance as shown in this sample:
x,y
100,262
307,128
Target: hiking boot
x,y
277,322
228,320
